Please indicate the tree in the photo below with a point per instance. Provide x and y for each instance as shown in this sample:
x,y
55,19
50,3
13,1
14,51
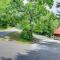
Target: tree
x,y
46,2
32,17
3,5
41,20
11,12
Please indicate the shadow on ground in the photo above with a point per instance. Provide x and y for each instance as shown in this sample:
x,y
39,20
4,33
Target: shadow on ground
x,y
45,51
3,58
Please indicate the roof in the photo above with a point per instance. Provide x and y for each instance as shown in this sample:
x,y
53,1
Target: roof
x,y
57,31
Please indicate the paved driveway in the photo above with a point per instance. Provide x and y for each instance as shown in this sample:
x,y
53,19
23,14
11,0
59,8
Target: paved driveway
x,y
45,50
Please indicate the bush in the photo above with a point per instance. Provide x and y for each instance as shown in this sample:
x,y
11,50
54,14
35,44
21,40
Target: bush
x,y
3,24
26,34
47,24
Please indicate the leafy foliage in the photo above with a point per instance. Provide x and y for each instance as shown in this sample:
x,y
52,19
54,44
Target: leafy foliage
x,y
47,25
38,19
48,2
26,35
31,18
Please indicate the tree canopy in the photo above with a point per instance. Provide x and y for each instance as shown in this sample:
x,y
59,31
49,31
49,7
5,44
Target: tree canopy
x,y
32,17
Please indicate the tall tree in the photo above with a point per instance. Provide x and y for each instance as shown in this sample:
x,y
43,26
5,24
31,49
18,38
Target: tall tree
x,y
38,19
47,2
3,4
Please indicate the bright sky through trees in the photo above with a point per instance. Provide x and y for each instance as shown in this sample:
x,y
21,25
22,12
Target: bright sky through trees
x,y
54,8
25,1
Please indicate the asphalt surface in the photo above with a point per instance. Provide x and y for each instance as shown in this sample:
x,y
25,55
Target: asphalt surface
x,y
10,50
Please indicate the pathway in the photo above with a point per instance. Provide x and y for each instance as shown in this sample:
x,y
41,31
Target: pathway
x,y
45,49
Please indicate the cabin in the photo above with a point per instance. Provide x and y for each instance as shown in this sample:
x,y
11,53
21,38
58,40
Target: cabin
x,y
57,34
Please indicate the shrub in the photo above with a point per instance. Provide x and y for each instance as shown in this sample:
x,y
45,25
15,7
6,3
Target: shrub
x,y
47,24
3,24
26,34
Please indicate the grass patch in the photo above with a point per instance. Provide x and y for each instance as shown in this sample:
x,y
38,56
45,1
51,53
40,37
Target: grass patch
x,y
5,29
22,41
16,36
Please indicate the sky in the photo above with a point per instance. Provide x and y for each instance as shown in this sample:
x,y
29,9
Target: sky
x,y
54,8
57,0
25,1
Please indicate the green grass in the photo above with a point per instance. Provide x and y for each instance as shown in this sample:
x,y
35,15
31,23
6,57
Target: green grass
x,y
7,28
23,41
16,36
